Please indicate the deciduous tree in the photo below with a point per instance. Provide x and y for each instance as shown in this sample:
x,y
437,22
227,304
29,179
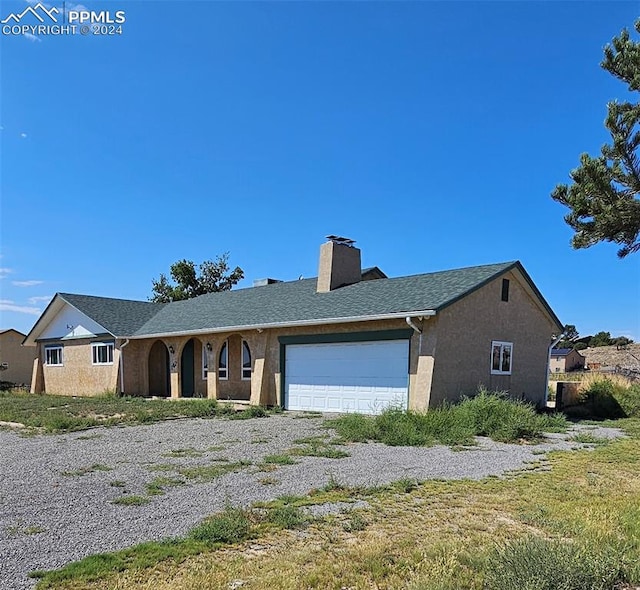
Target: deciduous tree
x,y
215,275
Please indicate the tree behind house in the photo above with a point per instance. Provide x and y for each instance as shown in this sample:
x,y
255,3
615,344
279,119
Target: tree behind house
x,y
215,275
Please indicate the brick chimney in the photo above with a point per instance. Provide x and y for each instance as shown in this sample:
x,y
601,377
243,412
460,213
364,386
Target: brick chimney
x,y
339,264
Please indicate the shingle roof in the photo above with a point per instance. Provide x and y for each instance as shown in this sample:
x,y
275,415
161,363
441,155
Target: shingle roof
x,y
298,301
291,302
121,317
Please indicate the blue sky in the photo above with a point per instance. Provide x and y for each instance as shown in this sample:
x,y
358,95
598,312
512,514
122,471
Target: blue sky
x,y
430,132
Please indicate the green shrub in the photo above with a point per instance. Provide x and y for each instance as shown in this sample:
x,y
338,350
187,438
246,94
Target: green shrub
x,y
355,427
286,516
540,564
605,399
629,400
485,414
230,526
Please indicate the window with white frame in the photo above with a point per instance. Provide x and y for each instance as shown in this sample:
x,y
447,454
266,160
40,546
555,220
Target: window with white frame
x,y
102,353
223,362
501,356
205,363
53,356
246,361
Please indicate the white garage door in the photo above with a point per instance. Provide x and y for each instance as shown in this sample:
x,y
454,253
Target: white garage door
x,y
361,377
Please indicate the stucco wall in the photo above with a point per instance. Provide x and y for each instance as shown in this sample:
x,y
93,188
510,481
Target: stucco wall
x,y
18,357
557,364
264,386
78,376
466,330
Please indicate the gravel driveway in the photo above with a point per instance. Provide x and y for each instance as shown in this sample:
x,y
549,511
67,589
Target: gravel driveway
x,y
55,509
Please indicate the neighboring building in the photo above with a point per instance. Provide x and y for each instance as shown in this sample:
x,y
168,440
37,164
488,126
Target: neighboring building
x,y
16,360
610,358
564,360
348,340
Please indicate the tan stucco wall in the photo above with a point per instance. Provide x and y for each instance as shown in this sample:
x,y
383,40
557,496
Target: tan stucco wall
x,y
264,386
18,357
466,330
78,376
557,364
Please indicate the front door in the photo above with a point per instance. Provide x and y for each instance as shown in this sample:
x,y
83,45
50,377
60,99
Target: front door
x,y
187,372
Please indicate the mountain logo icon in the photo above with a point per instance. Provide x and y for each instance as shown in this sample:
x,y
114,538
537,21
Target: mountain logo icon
x,y
37,11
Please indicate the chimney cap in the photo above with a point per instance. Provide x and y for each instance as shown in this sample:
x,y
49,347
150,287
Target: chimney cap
x,y
341,240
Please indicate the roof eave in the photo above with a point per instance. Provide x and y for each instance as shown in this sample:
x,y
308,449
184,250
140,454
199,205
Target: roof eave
x,y
293,324
32,337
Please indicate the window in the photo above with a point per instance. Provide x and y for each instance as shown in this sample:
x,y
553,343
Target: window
x,y
53,356
246,361
102,353
205,363
223,362
505,289
501,353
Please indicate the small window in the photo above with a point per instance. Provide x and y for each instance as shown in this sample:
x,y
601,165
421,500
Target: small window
x,y
501,353
223,362
205,364
53,356
246,361
102,353
505,289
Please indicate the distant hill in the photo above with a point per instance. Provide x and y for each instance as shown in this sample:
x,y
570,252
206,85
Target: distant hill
x,y
608,357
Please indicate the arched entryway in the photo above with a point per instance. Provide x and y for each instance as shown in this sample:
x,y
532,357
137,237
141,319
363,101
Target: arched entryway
x,y
187,369
159,379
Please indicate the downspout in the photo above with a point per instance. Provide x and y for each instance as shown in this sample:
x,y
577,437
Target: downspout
x,y
417,329
546,388
121,359
410,321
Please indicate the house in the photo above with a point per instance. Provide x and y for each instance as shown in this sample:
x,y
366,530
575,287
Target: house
x,y
564,360
16,361
348,340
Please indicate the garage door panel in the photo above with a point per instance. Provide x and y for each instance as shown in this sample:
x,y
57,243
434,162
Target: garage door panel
x,y
347,377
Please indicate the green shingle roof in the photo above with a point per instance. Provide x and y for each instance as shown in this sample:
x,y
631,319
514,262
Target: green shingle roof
x,y
121,317
290,303
298,301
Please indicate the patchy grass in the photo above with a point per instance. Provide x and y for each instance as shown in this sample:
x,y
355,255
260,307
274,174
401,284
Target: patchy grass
x,y
86,470
131,500
486,414
445,535
158,485
206,473
287,516
589,439
182,453
250,412
319,449
536,563
230,526
52,413
17,530
281,459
